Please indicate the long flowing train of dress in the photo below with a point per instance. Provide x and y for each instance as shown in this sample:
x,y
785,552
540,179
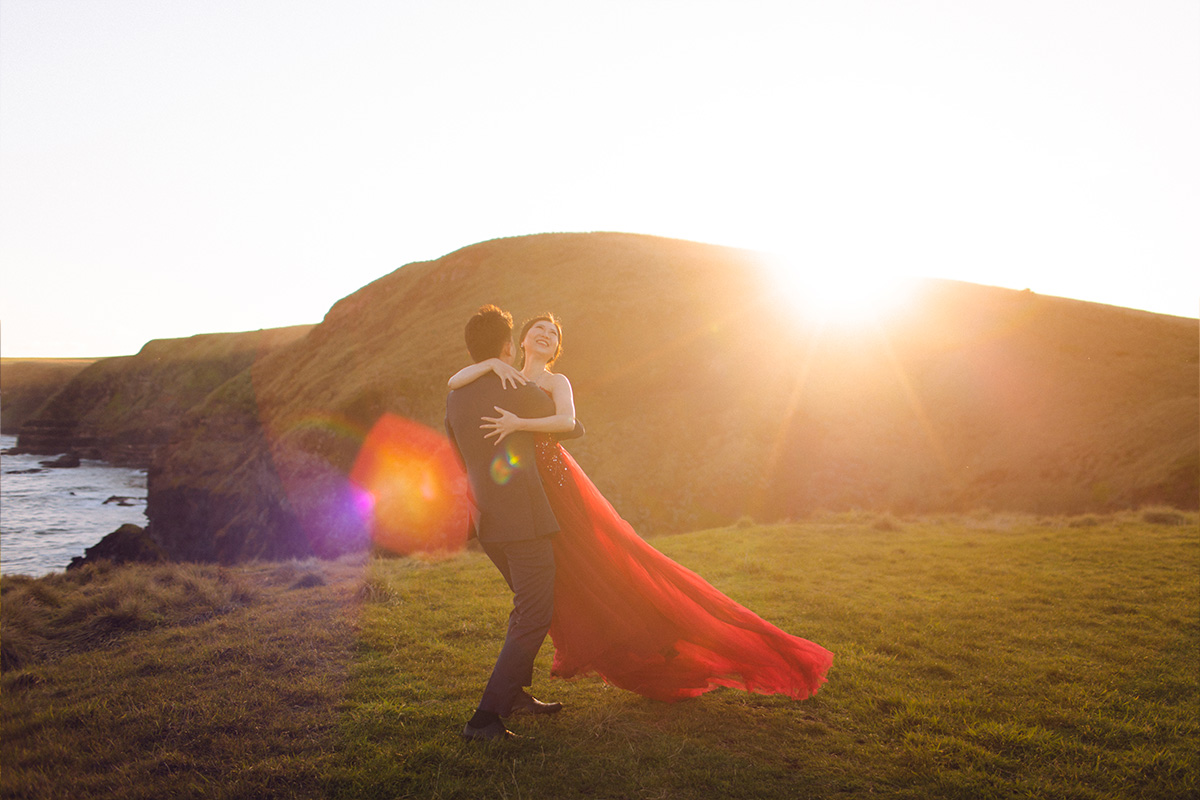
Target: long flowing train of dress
x,y
626,612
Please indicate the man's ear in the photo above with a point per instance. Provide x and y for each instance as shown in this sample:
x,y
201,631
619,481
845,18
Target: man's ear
x,y
507,350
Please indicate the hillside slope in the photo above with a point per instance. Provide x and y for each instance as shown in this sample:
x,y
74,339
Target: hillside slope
x,y
27,383
121,409
705,398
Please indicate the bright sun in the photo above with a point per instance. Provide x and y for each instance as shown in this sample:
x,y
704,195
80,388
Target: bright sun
x,y
838,297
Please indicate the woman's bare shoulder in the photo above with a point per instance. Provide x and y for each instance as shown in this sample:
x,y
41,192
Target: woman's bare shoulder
x,y
553,381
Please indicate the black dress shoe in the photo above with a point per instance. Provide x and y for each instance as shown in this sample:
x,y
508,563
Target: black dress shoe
x,y
527,704
494,731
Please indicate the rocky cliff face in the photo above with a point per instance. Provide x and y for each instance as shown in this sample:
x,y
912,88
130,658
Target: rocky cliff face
x,y
123,409
705,398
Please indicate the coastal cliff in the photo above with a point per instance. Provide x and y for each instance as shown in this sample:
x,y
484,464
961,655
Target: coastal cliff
x,y
27,383
123,409
706,397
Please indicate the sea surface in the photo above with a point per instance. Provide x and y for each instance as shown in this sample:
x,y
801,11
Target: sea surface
x,y
50,515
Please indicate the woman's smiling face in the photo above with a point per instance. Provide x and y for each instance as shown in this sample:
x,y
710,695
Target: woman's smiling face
x,y
543,338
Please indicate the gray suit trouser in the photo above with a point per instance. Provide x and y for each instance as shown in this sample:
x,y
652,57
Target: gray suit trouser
x,y
528,567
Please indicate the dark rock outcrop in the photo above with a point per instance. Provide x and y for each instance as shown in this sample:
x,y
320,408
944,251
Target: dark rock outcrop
x,y
706,398
127,544
46,436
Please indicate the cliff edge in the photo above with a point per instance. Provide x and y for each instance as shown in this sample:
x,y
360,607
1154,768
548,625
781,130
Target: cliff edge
x,y
123,409
27,383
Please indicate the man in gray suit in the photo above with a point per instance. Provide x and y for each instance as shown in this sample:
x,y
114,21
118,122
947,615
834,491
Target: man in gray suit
x,y
514,522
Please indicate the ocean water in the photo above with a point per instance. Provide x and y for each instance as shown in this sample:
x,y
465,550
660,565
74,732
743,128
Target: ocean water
x,y
50,515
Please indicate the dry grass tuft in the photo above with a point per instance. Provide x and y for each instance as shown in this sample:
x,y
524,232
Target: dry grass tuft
x,y
886,522
1164,515
309,580
48,618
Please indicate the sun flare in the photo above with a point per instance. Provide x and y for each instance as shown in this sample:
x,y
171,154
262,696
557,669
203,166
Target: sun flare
x,y
409,488
846,297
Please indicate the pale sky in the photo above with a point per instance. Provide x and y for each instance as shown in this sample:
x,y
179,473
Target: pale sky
x,y
172,167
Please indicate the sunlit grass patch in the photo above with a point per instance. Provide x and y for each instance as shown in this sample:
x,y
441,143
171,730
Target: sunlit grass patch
x,y
975,657
981,656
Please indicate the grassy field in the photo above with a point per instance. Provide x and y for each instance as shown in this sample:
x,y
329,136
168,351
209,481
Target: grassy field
x,y
976,656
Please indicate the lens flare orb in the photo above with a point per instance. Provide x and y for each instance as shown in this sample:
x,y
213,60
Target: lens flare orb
x,y
504,464
418,499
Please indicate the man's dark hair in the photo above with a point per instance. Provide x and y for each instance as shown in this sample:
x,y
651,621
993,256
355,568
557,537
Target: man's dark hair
x,y
487,332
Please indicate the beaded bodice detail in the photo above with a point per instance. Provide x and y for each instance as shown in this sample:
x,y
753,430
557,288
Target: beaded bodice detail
x,y
550,463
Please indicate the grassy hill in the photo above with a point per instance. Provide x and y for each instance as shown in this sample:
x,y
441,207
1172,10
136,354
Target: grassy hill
x,y
976,656
706,398
27,383
122,409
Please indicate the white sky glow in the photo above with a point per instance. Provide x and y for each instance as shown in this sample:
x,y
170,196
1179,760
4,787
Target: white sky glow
x,y
171,168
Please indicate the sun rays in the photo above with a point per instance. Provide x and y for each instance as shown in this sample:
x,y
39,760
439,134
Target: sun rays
x,y
843,359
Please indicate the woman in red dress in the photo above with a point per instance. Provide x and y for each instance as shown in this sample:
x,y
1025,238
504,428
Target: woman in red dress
x,y
622,609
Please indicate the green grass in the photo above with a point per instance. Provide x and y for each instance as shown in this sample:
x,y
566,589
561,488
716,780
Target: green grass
x,y
977,656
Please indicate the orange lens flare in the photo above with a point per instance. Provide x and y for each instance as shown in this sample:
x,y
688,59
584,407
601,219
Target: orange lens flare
x,y
415,493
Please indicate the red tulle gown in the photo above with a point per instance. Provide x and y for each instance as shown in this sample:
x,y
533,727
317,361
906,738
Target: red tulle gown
x,y
626,612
